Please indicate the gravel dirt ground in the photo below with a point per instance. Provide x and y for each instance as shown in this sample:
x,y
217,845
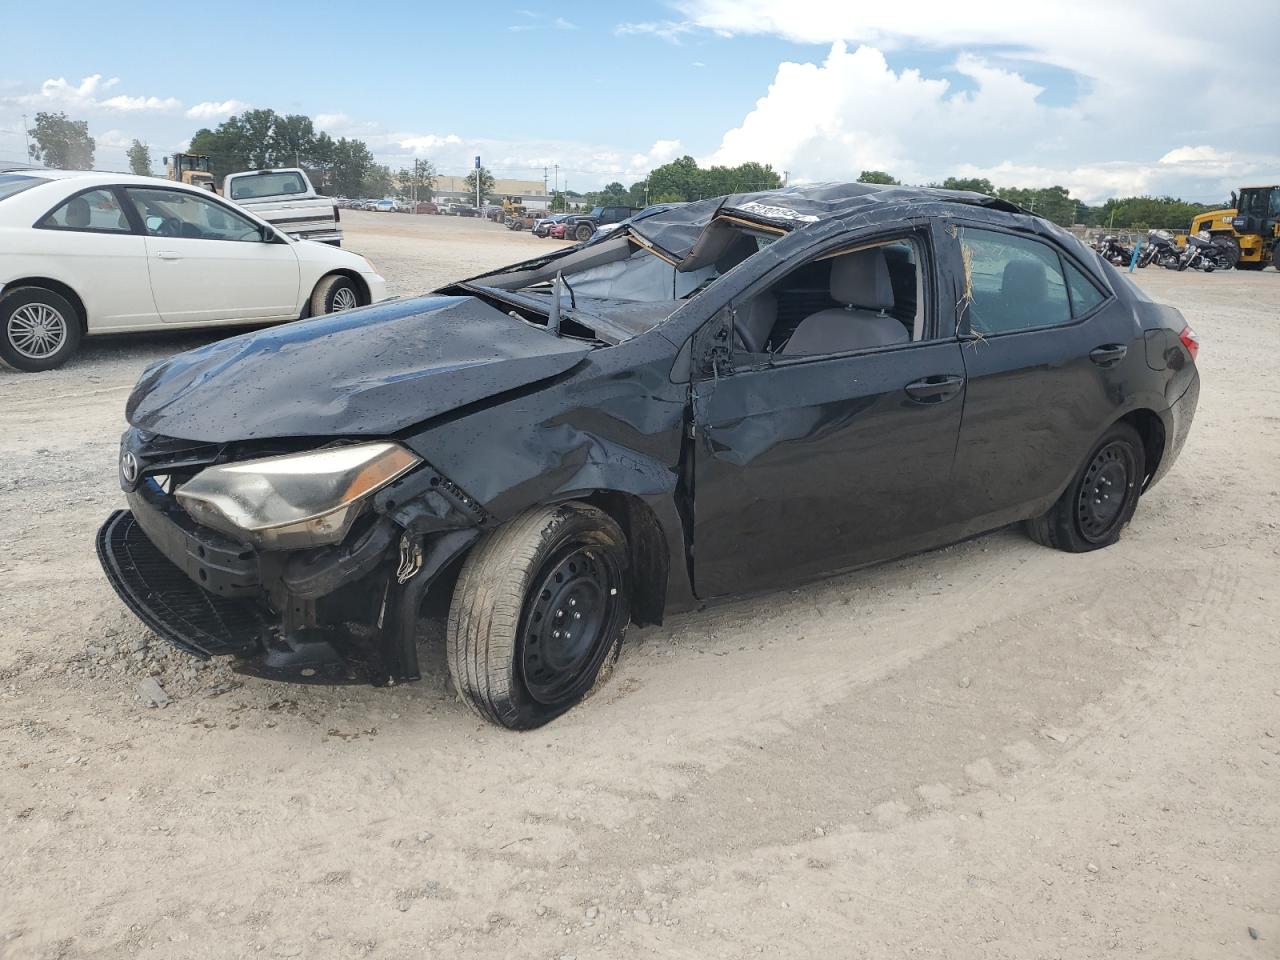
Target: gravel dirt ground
x,y
993,750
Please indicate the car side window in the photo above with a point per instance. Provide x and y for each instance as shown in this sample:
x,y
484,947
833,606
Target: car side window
x,y
844,301
94,211
178,214
1084,295
1012,283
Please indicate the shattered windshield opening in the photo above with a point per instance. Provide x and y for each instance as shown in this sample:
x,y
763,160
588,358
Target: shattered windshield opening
x,y
617,288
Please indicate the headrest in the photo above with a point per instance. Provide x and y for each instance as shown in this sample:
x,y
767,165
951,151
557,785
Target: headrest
x,y
861,279
1025,280
78,212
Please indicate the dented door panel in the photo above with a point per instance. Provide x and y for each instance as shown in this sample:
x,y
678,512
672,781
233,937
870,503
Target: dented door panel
x,y
808,467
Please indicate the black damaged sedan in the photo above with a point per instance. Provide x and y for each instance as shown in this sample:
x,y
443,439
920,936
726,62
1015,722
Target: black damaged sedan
x,y
726,396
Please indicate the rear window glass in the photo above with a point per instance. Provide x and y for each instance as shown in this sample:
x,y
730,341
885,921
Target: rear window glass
x,y
11,183
1084,295
267,185
94,211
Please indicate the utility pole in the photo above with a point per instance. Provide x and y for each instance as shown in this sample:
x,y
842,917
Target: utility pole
x,y
557,166
786,177
26,142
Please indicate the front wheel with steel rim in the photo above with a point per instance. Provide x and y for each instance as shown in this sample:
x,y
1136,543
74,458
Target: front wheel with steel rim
x,y
1100,499
39,329
333,294
539,608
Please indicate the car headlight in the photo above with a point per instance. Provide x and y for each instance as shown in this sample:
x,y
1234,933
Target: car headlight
x,y
296,500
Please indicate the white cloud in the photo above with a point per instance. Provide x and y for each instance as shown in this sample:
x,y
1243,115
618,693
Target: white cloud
x,y
428,142
87,95
113,140
217,109
671,31
1138,82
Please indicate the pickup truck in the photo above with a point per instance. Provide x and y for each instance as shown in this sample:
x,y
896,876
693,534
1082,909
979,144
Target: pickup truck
x,y
580,226
286,199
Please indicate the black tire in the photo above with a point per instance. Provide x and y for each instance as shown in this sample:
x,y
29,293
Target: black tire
x,y
521,591
1086,517
1252,265
583,231
39,329
334,294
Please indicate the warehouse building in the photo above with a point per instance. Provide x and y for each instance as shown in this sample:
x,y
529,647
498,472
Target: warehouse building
x,y
531,193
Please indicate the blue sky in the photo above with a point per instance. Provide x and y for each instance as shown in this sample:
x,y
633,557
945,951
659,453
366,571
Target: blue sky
x,y
1055,92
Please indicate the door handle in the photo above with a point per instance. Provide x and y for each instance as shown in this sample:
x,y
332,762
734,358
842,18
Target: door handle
x,y
935,389
168,255
1109,354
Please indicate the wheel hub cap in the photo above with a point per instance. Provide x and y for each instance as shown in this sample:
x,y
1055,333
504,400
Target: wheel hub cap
x,y
344,299
1104,491
37,331
565,626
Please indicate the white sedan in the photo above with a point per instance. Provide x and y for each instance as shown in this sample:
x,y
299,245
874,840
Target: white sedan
x,y
88,253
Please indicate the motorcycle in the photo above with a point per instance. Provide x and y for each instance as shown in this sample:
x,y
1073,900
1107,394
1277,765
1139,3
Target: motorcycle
x,y
1159,249
1113,251
1204,252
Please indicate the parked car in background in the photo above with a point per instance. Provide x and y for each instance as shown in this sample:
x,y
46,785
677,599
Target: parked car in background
x,y
89,253
542,227
739,395
464,210
385,205
286,199
426,206
582,225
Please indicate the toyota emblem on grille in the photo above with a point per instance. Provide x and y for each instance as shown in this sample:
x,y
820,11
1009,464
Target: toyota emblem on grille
x,y
129,467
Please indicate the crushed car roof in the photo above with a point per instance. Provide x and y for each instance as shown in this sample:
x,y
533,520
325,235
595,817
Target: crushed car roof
x,y
675,230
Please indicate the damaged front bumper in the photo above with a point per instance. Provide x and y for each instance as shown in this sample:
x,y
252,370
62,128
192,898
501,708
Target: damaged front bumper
x,y
337,614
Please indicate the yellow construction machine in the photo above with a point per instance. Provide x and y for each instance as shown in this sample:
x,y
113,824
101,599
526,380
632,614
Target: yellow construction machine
x,y
1253,224
190,168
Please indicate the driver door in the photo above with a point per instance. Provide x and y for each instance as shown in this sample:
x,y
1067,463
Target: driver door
x,y
208,263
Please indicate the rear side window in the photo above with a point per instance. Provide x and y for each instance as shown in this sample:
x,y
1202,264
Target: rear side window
x,y
1084,295
94,211
267,185
1013,283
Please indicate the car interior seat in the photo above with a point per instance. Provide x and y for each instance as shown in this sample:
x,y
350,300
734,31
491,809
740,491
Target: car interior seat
x,y
1024,290
859,280
78,212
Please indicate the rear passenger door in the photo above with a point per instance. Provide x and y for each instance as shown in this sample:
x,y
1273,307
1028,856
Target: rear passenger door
x,y
1045,348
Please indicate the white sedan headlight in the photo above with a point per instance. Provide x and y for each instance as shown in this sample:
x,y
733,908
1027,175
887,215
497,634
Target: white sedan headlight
x,y
297,500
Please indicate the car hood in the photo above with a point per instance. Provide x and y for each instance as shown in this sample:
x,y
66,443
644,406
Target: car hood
x,y
374,371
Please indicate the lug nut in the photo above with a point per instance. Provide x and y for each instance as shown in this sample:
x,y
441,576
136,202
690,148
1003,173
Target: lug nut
x,y
576,615
573,602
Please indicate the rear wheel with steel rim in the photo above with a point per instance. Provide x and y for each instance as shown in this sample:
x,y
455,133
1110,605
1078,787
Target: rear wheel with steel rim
x,y
539,609
39,329
333,294
1100,499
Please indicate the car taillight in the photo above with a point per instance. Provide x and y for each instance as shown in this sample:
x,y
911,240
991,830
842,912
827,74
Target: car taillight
x,y
337,216
1190,341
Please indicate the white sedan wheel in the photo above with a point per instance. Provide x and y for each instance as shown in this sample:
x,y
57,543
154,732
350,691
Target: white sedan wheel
x,y
37,331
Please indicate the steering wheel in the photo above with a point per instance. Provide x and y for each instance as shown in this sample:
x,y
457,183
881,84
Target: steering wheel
x,y
169,227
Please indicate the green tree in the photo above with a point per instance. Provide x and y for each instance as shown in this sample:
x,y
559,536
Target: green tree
x,y
486,184
140,158
974,184
320,165
1143,213
291,140
352,162
418,181
1052,203
680,179
377,180
559,203
61,143
613,195
638,194
878,176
